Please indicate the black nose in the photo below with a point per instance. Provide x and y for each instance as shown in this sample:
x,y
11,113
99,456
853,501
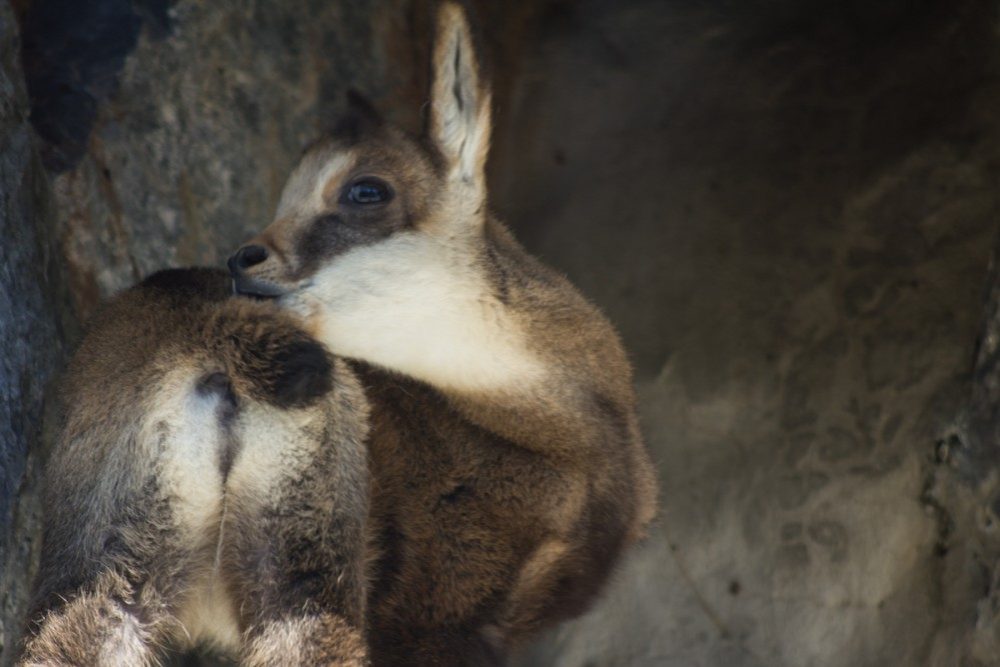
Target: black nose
x,y
245,257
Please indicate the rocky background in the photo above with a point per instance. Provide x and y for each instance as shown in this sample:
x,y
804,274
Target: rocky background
x,y
789,208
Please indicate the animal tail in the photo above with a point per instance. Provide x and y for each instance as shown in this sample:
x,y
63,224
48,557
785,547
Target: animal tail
x,y
267,355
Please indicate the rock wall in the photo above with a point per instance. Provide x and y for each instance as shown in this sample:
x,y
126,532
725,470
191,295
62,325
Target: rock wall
x,y
33,315
789,210
787,207
195,124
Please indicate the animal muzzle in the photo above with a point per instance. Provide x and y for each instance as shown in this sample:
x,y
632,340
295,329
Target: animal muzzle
x,y
246,285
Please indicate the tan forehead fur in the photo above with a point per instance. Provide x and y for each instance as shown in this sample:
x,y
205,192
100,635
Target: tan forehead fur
x,y
310,185
315,185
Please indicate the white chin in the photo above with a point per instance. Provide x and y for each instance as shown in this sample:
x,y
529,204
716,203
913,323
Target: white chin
x,y
302,304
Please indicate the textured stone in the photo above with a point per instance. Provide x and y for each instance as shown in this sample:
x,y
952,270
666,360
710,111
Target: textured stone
x,y
31,335
187,158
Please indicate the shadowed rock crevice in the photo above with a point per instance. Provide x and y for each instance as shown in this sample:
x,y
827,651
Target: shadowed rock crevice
x,y
35,323
73,54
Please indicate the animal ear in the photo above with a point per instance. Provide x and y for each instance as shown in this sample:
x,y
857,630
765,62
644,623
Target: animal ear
x,y
459,121
359,105
361,115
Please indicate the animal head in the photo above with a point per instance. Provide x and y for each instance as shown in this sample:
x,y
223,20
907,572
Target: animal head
x,y
369,192
380,238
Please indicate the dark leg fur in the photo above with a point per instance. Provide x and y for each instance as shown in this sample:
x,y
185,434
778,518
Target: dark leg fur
x,y
439,647
274,360
299,573
296,563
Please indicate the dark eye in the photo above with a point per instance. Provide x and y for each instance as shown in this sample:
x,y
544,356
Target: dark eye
x,y
368,191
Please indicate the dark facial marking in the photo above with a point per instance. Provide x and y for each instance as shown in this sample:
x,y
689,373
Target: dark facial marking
x,y
389,188
336,233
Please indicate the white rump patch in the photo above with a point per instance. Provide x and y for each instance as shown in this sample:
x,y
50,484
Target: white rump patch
x,y
183,425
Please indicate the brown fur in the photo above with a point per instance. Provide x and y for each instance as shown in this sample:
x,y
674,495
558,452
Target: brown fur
x,y
506,485
125,549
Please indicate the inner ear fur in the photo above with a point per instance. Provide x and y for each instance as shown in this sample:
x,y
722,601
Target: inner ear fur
x,y
459,120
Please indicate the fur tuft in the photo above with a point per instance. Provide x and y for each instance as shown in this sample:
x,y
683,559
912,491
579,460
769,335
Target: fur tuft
x,y
269,357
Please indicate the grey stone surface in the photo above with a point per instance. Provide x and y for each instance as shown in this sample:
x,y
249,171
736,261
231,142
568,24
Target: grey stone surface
x,y
31,338
187,158
787,207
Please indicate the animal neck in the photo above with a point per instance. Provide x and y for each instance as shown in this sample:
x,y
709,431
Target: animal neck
x,y
424,307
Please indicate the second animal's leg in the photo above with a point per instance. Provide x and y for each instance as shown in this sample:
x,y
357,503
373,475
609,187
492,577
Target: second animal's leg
x,y
306,595
105,624
302,639
300,564
116,557
296,542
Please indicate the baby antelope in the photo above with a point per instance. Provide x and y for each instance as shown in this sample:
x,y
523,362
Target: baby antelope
x,y
209,485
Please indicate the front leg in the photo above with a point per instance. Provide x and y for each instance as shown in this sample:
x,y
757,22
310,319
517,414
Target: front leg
x,y
105,624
